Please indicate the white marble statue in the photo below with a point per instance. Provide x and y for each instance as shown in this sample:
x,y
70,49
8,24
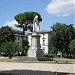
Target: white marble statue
x,y
35,24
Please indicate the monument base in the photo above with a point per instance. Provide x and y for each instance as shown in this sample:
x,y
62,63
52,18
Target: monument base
x,y
34,50
34,53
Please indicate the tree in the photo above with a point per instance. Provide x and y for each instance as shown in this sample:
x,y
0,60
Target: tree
x,y
6,35
9,48
72,47
26,18
25,21
62,35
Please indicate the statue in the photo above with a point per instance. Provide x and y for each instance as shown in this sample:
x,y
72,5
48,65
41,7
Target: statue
x,y
35,24
34,50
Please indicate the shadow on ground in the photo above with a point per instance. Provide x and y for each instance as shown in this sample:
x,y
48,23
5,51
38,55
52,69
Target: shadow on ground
x,y
32,72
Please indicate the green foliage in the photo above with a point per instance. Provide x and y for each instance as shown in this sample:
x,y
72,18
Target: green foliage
x,y
72,47
25,45
62,35
9,48
27,17
6,35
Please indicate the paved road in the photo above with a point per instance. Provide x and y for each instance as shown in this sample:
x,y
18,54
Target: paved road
x,y
36,68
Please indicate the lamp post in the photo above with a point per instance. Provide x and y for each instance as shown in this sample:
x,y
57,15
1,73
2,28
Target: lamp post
x,y
23,33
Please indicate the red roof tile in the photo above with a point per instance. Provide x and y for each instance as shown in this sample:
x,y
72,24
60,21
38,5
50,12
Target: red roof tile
x,y
43,31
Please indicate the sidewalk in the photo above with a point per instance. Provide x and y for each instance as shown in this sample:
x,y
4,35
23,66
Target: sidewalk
x,y
45,67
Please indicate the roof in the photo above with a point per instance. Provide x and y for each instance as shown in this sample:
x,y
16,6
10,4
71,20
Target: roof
x,y
18,31
43,31
40,31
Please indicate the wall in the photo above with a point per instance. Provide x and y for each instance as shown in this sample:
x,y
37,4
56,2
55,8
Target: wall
x,y
45,36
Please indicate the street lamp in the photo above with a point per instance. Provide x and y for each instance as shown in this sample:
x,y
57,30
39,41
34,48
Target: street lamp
x,y
23,33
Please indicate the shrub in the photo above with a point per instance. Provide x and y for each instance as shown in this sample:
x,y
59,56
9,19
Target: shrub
x,y
9,48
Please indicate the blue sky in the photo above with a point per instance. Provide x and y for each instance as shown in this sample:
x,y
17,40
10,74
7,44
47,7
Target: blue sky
x,y
51,11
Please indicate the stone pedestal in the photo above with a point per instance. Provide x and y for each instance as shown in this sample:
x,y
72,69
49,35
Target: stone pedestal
x,y
35,51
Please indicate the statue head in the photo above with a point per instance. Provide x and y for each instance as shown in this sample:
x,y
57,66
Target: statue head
x,y
36,18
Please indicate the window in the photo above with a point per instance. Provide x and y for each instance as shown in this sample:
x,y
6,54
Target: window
x,y
43,41
18,37
15,37
43,38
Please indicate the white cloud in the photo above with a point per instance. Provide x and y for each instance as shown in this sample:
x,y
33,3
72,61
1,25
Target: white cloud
x,y
12,24
61,7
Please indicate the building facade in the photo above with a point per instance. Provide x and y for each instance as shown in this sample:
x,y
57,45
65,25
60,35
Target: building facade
x,y
45,41
18,39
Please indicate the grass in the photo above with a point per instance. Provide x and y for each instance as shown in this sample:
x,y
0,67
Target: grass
x,y
65,59
15,59
4,59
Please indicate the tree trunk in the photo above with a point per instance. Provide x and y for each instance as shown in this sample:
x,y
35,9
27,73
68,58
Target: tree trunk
x,y
23,33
